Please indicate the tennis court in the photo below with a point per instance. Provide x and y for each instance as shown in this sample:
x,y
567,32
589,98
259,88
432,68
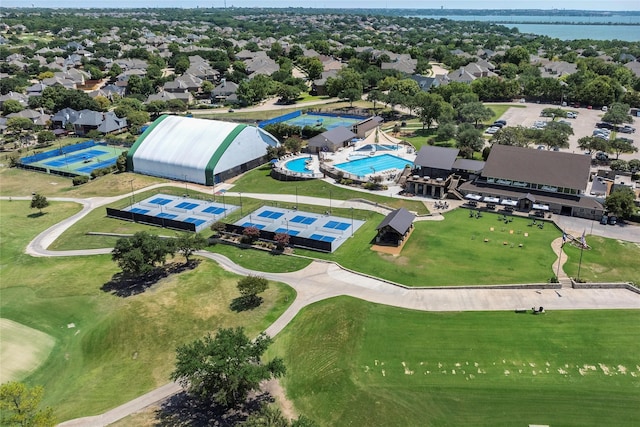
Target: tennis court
x,y
77,159
304,225
176,209
327,122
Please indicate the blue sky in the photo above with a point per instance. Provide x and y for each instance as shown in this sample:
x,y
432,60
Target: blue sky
x,y
447,4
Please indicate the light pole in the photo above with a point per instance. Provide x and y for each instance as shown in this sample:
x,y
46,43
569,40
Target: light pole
x,y
296,197
330,201
240,203
224,205
133,197
351,221
186,190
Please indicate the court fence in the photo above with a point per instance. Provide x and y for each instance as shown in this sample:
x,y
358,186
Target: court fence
x,y
152,220
297,241
58,152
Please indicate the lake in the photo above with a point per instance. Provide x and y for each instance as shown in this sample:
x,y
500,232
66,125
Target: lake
x,y
574,27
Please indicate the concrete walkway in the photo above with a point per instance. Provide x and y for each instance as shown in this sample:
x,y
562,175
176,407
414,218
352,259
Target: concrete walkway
x,y
322,280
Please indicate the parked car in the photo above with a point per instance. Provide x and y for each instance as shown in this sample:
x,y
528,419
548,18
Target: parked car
x,y
498,125
604,220
626,129
604,125
605,108
492,130
613,220
602,156
572,115
541,147
502,122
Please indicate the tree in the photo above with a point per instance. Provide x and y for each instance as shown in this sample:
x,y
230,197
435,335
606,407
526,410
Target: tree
x,y
154,108
218,227
282,240
251,233
121,162
475,112
619,165
19,406
617,114
620,202
38,201
312,67
375,96
293,143
226,368
176,105
620,146
187,244
470,138
516,55
271,416
250,286
511,135
593,144
11,106
45,136
139,254
634,165
288,94
430,107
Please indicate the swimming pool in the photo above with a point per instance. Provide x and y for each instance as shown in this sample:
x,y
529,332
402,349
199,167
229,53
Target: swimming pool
x,y
298,165
374,164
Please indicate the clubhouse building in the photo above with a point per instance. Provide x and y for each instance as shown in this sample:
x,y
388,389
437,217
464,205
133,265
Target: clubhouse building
x,y
543,181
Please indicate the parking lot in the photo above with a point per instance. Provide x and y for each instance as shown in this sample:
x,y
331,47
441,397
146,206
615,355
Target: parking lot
x,y
526,114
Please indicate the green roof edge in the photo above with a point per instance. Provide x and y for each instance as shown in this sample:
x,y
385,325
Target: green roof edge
x,y
208,171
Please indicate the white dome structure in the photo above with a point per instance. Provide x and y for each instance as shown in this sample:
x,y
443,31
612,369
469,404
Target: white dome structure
x,y
197,150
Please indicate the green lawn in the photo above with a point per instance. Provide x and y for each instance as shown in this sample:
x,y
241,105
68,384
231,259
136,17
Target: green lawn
x,y
453,252
260,181
353,363
607,260
113,339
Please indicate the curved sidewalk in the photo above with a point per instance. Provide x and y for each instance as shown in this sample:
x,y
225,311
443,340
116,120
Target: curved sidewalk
x,y
322,280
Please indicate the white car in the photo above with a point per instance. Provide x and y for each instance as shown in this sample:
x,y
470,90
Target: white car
x,y
492,130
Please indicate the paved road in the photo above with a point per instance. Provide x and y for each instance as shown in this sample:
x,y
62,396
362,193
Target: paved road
x,y
322,280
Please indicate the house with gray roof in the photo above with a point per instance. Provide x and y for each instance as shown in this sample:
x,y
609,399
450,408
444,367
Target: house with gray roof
x,y
108,122
331,140
395,227
15,96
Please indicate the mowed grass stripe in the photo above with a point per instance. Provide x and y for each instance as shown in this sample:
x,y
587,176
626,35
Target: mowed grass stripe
x,y
22,350
408,368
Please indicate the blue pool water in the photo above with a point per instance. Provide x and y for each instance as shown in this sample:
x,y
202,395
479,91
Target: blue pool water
x,y
373,164
298,165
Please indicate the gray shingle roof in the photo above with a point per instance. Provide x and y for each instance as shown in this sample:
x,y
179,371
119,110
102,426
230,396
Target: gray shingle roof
x,y
538,166
434,157
400,220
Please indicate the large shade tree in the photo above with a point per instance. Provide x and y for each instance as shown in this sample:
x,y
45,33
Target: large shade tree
x,y
225,368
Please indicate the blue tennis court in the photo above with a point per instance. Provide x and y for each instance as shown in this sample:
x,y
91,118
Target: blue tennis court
x,y
139,211
214,210
289,232
322,238
94,166
303,219
270,214
166,215
160,201
195,221
186,205
251,224
337,225
75,158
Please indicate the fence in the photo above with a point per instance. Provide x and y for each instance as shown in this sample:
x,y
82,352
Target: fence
x,y
279,119
153,220
297,241
57,152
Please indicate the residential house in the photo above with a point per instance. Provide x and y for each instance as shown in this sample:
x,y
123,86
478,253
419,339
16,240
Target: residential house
x,y
37,117
165,96
319,86
105,123
63,117
15,96
225,91
557,69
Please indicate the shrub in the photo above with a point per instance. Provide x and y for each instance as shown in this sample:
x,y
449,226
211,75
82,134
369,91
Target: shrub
x,y
79,180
